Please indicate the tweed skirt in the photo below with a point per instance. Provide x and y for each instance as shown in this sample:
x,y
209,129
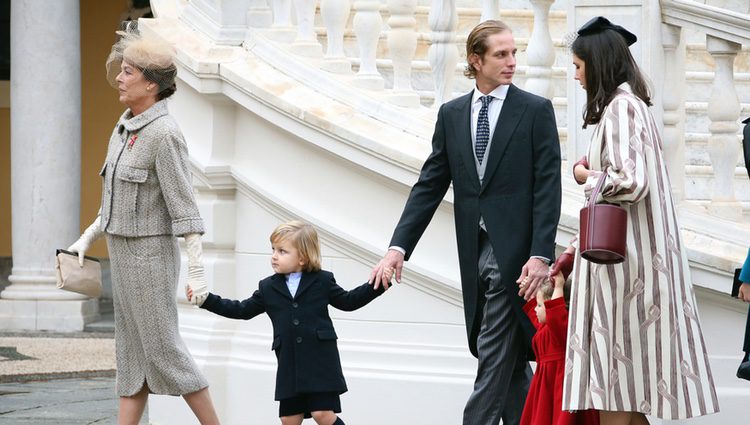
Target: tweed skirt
x,y
149,348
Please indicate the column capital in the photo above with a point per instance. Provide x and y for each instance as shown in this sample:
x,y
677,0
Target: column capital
x,y
720,46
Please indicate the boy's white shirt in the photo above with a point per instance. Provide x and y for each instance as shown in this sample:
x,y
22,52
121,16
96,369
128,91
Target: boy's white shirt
x,y
292,282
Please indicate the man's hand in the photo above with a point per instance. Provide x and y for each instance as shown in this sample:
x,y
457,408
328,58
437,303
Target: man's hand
x,y
744,293
383,271
532,275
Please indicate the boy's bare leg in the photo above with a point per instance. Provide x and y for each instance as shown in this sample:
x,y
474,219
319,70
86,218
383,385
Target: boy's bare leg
x,y
324,417
292,420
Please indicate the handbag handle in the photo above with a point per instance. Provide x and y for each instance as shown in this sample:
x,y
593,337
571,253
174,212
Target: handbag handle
x,y
590,206
597,190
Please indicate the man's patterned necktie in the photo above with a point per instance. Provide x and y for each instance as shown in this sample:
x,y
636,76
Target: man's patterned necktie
x,y
483,128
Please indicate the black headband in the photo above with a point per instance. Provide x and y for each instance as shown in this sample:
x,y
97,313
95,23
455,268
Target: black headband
x,y
600,23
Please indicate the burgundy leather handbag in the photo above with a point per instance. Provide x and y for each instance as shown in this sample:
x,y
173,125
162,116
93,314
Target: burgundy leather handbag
x,y
603,233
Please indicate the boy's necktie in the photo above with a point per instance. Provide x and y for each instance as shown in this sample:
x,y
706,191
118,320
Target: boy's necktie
x,y
483,128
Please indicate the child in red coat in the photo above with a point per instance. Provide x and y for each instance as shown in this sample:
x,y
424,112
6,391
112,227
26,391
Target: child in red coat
x,y
550,317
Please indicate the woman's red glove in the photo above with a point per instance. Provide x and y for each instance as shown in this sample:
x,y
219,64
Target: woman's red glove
x,y
563,264
583,161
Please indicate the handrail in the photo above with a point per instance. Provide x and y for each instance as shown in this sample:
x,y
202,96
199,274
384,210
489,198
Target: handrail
x,y
722,23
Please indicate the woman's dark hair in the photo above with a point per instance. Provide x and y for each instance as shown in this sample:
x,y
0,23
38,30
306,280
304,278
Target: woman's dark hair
x,y
169,91
609,63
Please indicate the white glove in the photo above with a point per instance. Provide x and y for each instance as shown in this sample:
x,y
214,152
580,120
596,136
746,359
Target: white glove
x,y
196,279
89,236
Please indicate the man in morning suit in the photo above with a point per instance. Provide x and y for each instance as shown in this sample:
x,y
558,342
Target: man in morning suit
x,y
499,147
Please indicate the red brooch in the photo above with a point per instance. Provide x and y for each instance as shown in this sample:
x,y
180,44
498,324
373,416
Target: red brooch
x,y
132,140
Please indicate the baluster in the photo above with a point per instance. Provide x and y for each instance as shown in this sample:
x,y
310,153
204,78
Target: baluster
x,y
402,43
259,14
282,29
306,43
672,101
540,54
443,53
334,14
723,111
490,10
367,25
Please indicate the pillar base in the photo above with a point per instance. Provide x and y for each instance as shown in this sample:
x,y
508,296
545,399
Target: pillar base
x,y
407,99
336,65
730,210
44,315
307,48
369,81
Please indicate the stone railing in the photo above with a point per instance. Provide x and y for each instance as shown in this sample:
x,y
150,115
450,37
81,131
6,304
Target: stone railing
x,y
407,54
725,31
224,20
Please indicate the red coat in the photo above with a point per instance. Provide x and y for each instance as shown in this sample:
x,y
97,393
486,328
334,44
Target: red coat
x,y
544,401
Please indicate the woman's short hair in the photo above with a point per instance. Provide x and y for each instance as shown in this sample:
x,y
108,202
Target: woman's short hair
x,y
304,237
476,42
152,56
609,63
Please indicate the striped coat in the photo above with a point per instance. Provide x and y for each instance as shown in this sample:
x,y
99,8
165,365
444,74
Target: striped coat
x,y
634,336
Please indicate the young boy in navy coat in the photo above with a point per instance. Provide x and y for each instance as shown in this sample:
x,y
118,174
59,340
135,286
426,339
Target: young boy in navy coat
x,y
309,379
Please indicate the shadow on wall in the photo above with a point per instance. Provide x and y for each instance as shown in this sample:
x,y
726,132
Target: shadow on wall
x,y
5,265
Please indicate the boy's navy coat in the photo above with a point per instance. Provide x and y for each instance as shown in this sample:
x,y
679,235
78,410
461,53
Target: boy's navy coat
x,y
303,336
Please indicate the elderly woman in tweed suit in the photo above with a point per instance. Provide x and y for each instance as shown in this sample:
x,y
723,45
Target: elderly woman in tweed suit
x,y
635,345
147,200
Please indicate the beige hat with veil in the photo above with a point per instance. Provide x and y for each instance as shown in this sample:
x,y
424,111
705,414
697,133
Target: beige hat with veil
x,y
151,55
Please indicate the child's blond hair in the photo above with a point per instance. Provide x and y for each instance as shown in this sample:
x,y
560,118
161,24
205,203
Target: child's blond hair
x,y
304,237
547,288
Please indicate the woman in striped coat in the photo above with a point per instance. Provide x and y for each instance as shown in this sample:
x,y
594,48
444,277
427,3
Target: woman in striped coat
x,y
635,345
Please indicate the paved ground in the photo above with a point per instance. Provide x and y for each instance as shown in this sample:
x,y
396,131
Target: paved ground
x,y
60,379
73,401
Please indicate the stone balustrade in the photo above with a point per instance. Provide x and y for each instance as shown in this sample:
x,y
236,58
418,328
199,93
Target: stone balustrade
x,y
392,35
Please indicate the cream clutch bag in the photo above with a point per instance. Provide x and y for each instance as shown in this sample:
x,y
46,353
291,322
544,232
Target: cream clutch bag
x,y
86,280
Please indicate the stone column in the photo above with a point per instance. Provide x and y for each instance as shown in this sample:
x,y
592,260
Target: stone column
x,y
402,43
443,52
673,87
45,101
367,25
540,54
723,111
490,10
225,22
335,13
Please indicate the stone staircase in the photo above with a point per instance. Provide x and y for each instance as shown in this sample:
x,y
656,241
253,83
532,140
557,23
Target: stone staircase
x,y
273,136
699,75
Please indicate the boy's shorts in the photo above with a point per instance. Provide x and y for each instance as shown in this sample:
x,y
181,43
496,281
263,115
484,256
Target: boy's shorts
x,y
309,402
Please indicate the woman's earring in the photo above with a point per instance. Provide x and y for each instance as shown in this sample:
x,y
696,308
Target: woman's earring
x,y
148,88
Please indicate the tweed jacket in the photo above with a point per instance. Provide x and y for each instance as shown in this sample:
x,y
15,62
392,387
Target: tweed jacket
x,y
147,188
304,339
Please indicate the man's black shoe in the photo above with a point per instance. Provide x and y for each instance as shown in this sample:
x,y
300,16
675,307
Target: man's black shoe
x,y
744,371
